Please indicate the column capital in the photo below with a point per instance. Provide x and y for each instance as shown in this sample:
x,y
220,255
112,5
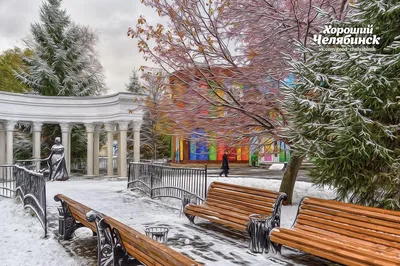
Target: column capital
x,y
109,127
37,126
137,125
65,127
123,125
11,125
90,127
97,128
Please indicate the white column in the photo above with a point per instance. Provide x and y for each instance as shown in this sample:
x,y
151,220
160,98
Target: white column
x,y
89,164
68,155
2,144
10,142
110,137
119,153
37,132
65,141
136,140
96,151
123,128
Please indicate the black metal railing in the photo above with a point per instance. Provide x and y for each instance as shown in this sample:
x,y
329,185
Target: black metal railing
x,y
7,181
33,164
30,188
159,181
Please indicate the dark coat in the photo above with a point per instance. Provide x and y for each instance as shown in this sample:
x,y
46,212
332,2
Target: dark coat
x,y
225,164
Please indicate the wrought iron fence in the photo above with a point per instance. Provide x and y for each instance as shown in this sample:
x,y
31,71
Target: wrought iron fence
x,y
32,164
159,181
7,181
30,188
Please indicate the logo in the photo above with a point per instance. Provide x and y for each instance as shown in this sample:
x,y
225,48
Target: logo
x,y
347,36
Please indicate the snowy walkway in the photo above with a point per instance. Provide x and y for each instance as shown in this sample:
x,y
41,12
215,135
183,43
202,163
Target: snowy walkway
x,y
206,243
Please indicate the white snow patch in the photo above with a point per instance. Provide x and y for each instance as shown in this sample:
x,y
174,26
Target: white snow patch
x,y
22,242
276,166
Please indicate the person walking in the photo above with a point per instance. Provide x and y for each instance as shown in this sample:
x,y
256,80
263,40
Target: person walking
x,y
225,165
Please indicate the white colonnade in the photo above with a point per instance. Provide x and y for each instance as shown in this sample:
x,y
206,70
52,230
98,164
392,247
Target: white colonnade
x,y
110,113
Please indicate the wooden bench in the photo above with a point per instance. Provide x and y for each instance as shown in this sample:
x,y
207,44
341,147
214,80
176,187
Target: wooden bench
x,y
232,205
341,232
118,244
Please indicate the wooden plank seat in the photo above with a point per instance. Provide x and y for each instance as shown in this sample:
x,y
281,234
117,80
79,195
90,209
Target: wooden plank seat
x,y
118,244
346,233
231,205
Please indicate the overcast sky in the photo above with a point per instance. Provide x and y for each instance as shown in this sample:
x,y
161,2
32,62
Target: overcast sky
x,y
111,18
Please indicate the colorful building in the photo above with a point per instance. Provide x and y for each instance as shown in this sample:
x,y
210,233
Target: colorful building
x,y
255,150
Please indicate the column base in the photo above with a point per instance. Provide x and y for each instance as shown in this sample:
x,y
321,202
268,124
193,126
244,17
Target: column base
x,y
91,176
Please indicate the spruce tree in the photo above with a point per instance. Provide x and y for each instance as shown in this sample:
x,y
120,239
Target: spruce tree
x,y
134,84
345,110
63,61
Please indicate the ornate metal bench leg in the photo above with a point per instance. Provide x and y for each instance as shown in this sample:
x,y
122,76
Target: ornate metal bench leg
x,y
276,247
186,200
67,223
190,217
111,251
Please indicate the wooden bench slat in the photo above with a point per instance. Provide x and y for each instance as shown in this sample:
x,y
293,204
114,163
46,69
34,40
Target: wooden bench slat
x,y
373,237
352,216
231,213
349,221
238,203
151,246
260,200
261,192
389,215
244,207
223,222
226,195
318,252
354,237
340,243
348,227
230,216
292,238
139,255
242,211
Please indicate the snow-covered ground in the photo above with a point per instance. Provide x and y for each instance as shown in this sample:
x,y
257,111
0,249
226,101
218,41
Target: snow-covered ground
x,y
22,243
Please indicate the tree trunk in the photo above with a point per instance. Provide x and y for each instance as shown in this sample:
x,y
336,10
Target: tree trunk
x,y
289,177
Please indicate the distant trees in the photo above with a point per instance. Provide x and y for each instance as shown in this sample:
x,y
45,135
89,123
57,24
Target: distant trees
x,y
134,83
154,132
10,61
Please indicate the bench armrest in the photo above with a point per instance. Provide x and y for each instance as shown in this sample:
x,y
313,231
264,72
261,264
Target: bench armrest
x,y
278,209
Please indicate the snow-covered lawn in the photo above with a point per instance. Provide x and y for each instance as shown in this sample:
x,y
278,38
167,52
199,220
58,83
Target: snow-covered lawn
x,y
22,235
22,242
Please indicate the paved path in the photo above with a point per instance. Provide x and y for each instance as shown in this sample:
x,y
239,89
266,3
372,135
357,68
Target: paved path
x,y
261,173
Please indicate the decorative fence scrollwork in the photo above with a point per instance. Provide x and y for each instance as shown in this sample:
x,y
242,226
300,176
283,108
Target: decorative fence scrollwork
x,y
157,181
30,188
